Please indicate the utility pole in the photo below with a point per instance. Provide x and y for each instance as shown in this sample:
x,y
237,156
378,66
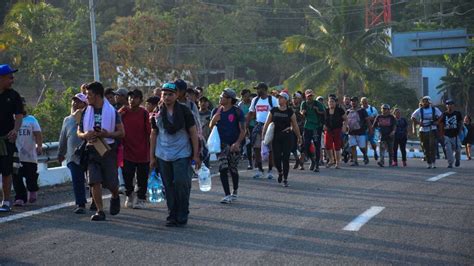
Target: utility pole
x,y
95,58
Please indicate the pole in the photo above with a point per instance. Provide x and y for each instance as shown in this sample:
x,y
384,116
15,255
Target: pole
x,y
95,58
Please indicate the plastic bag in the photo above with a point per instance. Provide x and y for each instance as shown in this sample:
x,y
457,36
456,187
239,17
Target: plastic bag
x,y
214,141
205,182
265,151
269,134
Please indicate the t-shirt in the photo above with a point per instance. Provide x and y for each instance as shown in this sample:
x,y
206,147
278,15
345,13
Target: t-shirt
x,y
428,121
386,124
313,120
98,119
228,125
10,105
336,119
451,123
281,120
362,123
205,118
262,107
299,117
136,143
176,146
371,111
245,107
26,141
401,131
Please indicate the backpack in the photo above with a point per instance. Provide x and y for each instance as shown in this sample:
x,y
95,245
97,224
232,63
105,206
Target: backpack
x,y
353,120
463,133
270,101
433,115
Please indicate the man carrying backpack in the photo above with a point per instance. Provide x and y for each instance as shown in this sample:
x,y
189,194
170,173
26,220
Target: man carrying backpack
x,y
452,125
259,109
358,122
427,117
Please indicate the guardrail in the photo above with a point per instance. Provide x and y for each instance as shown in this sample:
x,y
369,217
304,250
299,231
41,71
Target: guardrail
x,y
50,152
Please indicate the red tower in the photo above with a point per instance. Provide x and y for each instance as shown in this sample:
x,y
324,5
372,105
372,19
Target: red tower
x,y
376,12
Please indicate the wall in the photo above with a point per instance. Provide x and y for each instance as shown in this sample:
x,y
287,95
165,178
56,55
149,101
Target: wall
x,y
434,75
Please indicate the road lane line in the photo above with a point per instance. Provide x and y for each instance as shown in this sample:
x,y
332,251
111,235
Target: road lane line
x,y
40,211
362,219
438,177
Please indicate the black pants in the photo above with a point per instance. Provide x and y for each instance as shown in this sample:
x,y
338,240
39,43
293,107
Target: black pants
x,y
281,147
228,164
314,136
402,143
29,172
141,170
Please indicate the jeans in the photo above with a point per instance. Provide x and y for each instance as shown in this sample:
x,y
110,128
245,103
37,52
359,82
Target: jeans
x,y
29,172
402,143
386,145
281,147
78,183
176,176
452,145
142,170
430,143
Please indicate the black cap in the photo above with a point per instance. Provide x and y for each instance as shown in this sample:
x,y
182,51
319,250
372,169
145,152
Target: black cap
x,y
136,93
354,99
449,101
153,100
181,85
261,85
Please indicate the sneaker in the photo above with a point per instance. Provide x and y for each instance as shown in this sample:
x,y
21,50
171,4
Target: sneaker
x,y
19,202
258,174
285,183
366,160
98,216
450,166
301,166
249,167
296,165
171,223
93,207
5,208
433,165
270,174
312,165
129,201
234,195
337,167
32,196
79,210
380,164
195,177
457,163
122,189
355,164
429,166
280,177
227,199
404,164
140,204
316,169
114,206
394,164
376,156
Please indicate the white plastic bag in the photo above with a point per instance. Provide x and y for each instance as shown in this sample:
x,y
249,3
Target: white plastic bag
x,y
264,151
269,134
214,141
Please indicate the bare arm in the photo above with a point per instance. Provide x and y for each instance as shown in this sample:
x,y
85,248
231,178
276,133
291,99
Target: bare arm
x,y
153,135
295,127
267,123
39,141
195,142
14,132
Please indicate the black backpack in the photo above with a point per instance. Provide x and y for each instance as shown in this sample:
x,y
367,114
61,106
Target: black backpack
x,y
270,101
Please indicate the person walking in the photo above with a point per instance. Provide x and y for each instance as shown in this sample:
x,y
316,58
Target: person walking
x,y
401,138
230,123
284,120
29,144
469,138
451,124
136,146
297,149
427,117
373,113
358,122
100,123
68,144
259,109
312,111
387,124
244,105
11,118
335,125
174,142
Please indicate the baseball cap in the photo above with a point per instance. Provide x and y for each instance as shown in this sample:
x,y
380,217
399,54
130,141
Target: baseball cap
x,y
169,87
181,85
81,97
449,101
261,85
121,92
6,69
229,93
354,99
136,93
426,98
308,93
153,100
297,95
284,95
320,98
385,106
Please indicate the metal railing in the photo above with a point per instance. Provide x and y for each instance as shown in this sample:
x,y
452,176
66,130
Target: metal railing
x,y
50,153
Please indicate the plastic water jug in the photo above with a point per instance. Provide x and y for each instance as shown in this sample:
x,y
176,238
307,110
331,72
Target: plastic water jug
x,y
155,188
205,182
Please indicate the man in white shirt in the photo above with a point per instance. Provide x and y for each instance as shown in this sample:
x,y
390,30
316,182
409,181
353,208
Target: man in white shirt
x,y
427,117
259,109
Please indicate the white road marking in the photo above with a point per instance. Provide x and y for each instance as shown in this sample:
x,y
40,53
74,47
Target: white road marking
x,y
438,177
40,211
362,219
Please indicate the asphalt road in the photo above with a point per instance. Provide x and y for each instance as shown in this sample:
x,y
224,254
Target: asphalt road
x,y
421,222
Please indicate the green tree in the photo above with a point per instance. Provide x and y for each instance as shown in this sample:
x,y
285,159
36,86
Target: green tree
x,y
214,90
340,49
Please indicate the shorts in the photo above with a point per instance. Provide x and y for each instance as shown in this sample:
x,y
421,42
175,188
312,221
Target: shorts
x,y
333,139
358,140
372,138
103,169
256,135
6,162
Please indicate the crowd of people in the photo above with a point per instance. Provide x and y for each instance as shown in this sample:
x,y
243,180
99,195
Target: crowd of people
x,y
120,133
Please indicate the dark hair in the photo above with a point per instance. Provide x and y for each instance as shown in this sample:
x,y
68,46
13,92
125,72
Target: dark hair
x,y
244,91
234,101
96,88
469,118
109,91
153,100
203,99
199,89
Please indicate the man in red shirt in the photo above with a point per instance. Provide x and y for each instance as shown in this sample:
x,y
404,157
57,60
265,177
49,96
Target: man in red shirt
x,y
136,149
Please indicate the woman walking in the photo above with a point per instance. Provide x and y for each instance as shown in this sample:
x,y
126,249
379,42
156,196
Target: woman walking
x,y
401,137
469,138
284,120
334,126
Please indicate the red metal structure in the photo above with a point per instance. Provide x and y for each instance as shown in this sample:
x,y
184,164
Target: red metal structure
x,y
376,12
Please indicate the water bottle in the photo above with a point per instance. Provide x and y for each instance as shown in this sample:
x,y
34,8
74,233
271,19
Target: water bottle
x,y
205,182
155,188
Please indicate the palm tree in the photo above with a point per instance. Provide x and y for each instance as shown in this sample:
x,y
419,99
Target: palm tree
x,y
341,50
459,82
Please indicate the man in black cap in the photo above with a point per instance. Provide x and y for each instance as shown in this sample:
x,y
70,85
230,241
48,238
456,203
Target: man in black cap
x,y
452,123
11,118
121,98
